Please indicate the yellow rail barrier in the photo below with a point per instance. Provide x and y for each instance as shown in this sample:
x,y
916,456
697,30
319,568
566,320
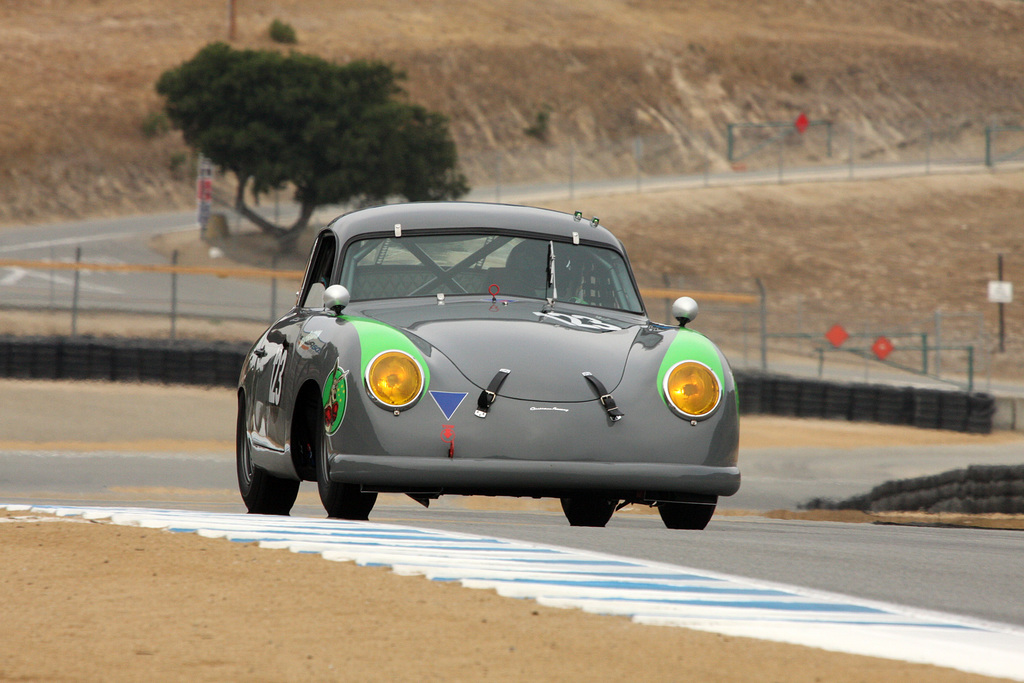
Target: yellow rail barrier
x,y
268,273
154,268
717,297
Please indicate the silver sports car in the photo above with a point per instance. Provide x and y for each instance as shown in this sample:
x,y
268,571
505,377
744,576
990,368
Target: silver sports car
x,y
482,349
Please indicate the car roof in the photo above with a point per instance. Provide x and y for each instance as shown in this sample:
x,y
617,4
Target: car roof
x,y
462,216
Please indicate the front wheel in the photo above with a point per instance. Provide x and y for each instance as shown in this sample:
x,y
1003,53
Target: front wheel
x,y
342,501
588,510
262,493
693,516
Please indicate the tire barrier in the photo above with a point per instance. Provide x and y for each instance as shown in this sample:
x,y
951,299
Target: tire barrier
x,y
122,360
766,394
976,489
219,363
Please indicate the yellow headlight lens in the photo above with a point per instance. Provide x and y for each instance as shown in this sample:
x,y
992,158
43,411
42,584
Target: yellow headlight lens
x,y
692,389
394,379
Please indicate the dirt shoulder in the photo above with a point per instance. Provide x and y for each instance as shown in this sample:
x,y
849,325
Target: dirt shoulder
x,y
93,601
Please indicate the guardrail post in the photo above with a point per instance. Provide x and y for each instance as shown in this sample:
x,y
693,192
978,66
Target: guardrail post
x,y
988,146
764,324
74,296
782,141
53,293
174,294
924,353
273,291
970,369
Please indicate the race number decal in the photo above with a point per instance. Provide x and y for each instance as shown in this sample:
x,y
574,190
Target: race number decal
x,y
584,322
277,377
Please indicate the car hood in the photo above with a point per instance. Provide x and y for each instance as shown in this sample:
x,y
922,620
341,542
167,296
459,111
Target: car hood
x,y
546,349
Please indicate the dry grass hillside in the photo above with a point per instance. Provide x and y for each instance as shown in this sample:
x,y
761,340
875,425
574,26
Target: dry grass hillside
x,y
76,76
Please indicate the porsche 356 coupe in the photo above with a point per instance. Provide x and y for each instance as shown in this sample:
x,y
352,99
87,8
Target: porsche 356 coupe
x,y
458,348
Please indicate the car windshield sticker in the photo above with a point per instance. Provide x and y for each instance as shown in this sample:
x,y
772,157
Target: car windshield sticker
x,y
277,377
448,401
335,395
582,321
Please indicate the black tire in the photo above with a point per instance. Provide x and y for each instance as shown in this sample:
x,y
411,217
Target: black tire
x,y
262,493
588,510
341,501
693,516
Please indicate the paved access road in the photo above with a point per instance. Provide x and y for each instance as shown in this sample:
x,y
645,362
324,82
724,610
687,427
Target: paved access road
x,y
125,241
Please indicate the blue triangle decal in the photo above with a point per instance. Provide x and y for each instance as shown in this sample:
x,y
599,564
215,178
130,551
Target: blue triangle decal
x,y
448,401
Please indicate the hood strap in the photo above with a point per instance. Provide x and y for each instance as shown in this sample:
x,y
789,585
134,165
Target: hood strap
x,y
487,396
614,414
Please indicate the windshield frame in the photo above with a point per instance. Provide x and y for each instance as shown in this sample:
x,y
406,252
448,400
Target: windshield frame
x,y
625,289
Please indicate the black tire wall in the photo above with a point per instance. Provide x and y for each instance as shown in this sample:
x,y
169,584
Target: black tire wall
x,y
219,363
765,394
122,360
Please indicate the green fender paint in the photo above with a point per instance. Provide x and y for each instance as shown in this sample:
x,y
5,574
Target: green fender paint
x,y
690,345
376,337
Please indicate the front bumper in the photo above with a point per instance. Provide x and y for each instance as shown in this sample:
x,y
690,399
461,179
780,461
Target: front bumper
x,y
528,477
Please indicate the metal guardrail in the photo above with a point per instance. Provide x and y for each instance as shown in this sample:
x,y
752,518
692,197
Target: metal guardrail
x,y
154,268
174,307
268,273
821,347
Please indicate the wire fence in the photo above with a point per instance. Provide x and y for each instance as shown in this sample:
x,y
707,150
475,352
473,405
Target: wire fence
x,y
770,151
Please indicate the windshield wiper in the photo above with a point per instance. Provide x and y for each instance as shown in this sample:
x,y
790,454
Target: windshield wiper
x,y
551,274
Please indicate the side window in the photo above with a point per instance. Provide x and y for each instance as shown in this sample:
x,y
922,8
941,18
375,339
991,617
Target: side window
x,y
318,274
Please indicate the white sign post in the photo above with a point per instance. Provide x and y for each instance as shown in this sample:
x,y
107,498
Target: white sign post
x,y
1000,292
204,193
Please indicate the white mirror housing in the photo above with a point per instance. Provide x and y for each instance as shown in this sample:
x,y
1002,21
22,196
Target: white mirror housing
x,y
684,309
336,298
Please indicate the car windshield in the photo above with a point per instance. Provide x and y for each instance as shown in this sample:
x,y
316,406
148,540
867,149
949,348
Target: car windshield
x,y
427,265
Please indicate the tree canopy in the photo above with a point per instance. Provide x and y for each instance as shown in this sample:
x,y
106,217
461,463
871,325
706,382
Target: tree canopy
x,y
337,133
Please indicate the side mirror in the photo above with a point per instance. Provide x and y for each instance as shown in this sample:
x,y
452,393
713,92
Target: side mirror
x,y
336,298
684,309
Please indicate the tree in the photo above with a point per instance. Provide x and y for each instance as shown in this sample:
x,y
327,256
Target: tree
x,y
337,133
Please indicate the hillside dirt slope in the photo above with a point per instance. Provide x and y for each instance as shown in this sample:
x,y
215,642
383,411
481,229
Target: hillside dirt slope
x,y
76,76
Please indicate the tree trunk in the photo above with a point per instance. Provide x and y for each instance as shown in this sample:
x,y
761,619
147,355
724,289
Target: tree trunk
x,y
287,238
259,221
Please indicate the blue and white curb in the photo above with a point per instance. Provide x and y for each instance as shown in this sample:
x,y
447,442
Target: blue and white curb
x,y
647,592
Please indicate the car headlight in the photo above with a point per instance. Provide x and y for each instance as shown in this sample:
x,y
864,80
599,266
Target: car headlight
x,y
692,389
394,379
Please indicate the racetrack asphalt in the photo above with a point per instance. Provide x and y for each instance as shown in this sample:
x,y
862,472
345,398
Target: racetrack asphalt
x,y
785,462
